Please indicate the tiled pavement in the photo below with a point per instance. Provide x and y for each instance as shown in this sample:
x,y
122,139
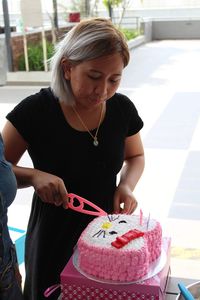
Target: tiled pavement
x,y
162,79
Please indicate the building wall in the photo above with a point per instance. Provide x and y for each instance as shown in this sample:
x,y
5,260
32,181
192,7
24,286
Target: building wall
x,y
177,29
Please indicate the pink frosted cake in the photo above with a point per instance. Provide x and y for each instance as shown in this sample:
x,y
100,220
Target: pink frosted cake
x,y
119,247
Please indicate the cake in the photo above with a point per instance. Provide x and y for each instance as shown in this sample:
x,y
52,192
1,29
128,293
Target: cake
x,y
119,247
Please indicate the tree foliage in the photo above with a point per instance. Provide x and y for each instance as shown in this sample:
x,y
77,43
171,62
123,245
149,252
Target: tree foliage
x,y
112,3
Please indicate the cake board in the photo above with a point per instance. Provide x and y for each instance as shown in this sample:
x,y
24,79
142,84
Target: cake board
x,y
75,285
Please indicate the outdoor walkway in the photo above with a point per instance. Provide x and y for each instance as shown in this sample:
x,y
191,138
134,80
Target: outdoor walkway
x,y
162,79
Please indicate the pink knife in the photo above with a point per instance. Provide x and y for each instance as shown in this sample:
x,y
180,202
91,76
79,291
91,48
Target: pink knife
x,y
81,207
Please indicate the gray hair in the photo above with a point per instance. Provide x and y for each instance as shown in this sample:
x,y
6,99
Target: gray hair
x,y
90,39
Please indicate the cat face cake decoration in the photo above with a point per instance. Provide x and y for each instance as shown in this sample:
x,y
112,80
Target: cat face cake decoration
x,y
116,247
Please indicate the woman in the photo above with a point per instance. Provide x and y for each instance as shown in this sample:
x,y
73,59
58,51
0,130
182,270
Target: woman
x,y
80,134
10,279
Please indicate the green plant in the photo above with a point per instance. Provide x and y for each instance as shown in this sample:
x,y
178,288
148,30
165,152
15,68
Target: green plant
x,y
129,33
35,57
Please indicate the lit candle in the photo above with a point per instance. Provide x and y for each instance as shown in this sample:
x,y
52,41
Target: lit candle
x,y
148,221
141,217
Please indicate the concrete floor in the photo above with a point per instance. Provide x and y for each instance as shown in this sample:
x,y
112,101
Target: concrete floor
x,y
162,79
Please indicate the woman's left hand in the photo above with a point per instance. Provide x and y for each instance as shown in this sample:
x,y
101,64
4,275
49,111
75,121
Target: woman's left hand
x,y
123,195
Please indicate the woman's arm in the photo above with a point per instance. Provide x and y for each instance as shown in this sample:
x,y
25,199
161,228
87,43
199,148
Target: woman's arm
x,y
14,144
130,174
49,188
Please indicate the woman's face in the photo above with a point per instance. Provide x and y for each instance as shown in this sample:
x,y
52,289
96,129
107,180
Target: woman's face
x,y
95,81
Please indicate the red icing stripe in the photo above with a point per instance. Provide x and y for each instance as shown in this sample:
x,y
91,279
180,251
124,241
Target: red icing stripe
x,y
126,238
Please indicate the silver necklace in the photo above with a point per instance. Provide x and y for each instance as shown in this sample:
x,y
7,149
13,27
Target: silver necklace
x,y
95,140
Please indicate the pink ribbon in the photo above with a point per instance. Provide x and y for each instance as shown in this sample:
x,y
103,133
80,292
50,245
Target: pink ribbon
x,y
124,239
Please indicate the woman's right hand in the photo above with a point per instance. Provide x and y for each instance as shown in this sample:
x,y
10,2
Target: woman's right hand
x,y
50,188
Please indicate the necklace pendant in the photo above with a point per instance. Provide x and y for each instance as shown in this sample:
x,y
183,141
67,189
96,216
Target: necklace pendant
x,y
95,143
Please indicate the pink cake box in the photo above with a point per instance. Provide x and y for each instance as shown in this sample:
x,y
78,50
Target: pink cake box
x,y
76,286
